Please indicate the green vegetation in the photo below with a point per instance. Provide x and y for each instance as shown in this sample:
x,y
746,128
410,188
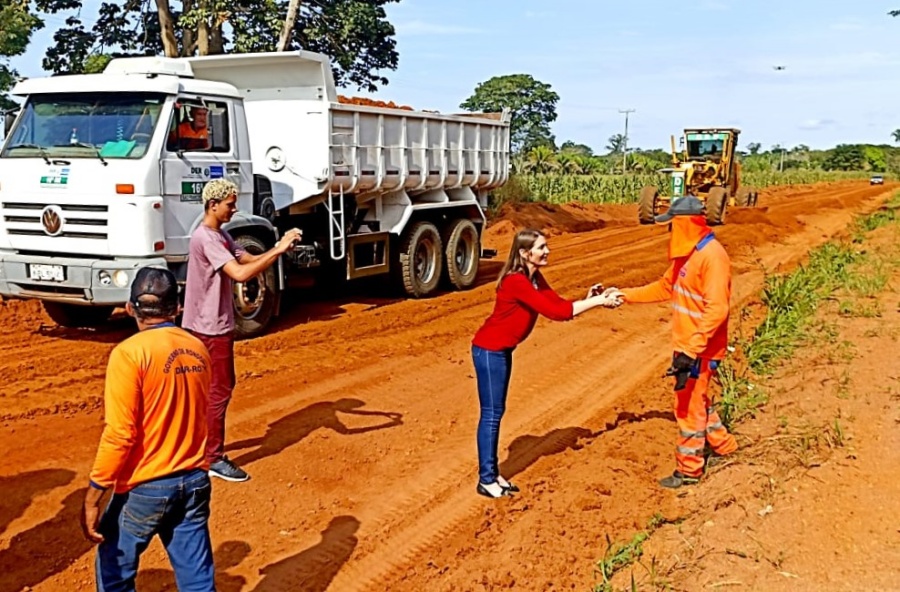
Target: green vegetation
x,y
791,300
620,556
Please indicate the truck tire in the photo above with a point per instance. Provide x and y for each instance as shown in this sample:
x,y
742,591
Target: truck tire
x,y
421,259
462,253
647,207
716,203
77,316
744,197
255,300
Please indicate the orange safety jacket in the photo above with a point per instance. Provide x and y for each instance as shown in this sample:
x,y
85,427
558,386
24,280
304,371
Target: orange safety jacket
x,y
699,286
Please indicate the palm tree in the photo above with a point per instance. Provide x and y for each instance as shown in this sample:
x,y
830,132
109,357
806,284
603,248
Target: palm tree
x,y
896,135
541,159
569,163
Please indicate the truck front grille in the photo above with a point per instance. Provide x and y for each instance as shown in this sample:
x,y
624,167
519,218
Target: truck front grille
x,y
81,221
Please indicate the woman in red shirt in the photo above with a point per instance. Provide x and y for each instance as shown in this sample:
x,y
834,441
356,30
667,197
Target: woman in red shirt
x,y
522,295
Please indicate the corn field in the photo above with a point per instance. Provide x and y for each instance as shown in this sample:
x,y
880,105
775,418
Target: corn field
x,y
618,189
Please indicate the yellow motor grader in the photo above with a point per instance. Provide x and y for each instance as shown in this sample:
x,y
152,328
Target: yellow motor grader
x,y
705,168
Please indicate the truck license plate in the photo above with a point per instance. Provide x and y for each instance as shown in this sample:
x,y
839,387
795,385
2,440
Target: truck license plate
x,y
52,273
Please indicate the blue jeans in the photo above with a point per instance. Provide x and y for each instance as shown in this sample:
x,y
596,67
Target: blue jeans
x,y
174,507
493,369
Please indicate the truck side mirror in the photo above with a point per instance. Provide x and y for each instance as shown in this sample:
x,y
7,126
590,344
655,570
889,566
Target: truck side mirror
x,y
9,118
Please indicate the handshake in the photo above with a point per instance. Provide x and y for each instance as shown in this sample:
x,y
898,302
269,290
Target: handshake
x,y
612,297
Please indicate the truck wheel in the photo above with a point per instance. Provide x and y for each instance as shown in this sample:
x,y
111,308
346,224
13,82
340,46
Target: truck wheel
x,y
77,316
716,202
461,253
647,208
254,300
421,259
744,197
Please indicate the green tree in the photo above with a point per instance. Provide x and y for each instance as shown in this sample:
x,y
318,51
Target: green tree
x,y
532,105
896,136
541,159
845,157
355,34
615,144
570,147
17,23
754,148
876,160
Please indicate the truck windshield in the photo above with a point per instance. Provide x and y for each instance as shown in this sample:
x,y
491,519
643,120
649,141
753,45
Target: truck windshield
x,y
705,145
85,125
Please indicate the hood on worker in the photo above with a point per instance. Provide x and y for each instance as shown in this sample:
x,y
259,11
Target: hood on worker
x,y
688,225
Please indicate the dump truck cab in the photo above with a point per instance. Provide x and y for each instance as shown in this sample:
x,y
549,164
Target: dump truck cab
x,y
706,168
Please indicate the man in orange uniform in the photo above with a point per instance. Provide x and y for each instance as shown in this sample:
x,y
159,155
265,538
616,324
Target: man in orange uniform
x,y
152,451
698,282
193,133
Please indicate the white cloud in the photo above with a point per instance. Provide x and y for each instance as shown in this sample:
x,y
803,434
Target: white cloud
x,y
817,124
423,28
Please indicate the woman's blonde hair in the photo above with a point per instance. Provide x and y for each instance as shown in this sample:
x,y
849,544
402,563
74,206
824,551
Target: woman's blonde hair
x,y
515,263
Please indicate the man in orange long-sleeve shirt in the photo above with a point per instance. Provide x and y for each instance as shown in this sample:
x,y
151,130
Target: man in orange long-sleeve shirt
x,y
698,283
152,451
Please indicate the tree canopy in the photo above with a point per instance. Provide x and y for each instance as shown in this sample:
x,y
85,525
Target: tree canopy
x,y
355,34
532,105
17,23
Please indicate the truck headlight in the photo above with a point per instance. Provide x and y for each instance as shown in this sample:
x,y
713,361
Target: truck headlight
x,y
120,278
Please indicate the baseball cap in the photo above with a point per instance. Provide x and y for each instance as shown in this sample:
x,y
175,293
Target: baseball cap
x,y
683,206
218,190
154,292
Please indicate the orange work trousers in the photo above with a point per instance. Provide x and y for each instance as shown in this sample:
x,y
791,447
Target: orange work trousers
x,y
698,423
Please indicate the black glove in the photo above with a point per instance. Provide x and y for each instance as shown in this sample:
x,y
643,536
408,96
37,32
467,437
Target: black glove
x,y
682,364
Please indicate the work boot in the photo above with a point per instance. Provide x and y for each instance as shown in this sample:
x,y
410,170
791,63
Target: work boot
x,y
677,479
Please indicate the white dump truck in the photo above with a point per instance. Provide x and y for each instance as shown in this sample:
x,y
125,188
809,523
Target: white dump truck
x,y
101,174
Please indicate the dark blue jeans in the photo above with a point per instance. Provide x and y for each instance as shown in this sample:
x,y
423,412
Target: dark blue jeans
x,y
174,507
493,369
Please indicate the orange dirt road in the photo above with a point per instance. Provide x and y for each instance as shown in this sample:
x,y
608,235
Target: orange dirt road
x,y
356,419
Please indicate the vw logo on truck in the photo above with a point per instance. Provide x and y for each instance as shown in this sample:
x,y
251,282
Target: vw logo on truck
x,y
52,219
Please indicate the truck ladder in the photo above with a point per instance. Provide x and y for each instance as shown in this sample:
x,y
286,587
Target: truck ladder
x,y
336,239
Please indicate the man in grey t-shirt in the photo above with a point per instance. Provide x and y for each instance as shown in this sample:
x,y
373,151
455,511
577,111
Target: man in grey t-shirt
x,y
215,262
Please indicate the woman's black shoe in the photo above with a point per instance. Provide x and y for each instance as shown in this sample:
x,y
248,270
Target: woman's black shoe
x,y
482,490
510,487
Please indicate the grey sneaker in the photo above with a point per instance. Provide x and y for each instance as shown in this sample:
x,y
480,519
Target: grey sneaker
x,y
227,470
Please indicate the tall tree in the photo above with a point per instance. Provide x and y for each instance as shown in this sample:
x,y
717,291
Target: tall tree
x,y
532,105
355,34
17,23
896,136
754,148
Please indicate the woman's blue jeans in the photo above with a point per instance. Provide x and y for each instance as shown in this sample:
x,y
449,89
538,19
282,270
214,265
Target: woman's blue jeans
x,y
493,369
177,509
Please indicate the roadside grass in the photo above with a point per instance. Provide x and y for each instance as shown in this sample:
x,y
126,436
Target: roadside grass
x,y
620,556
837,271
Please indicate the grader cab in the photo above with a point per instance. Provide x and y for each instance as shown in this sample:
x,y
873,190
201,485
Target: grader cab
x,y
705,168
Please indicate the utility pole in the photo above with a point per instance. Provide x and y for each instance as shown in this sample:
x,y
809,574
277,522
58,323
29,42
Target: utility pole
x,y
625,141
781,167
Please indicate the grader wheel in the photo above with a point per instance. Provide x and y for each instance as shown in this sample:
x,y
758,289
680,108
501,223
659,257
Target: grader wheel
x,y
648,204
716,203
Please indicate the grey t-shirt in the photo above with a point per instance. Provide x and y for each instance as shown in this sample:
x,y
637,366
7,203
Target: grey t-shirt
x,y
208,300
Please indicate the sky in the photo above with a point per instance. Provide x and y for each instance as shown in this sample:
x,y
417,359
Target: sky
x,y
677,64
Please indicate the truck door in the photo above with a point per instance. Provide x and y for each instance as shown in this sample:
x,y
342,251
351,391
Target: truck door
x,y
202,145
